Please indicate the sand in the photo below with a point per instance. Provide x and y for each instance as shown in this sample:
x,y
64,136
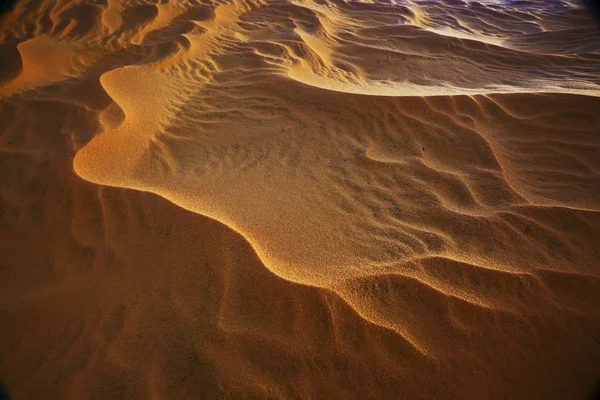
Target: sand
x,y
299,199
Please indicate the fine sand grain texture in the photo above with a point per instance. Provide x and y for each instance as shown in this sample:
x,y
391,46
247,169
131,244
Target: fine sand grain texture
x,y
299,199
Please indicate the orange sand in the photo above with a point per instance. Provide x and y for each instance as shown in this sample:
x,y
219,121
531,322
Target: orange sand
x,y
298,199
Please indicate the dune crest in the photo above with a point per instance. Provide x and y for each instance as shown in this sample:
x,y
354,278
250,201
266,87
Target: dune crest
x,y
46,61
328,199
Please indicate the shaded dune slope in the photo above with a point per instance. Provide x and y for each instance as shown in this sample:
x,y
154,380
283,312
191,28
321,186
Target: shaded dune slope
x,y
419,180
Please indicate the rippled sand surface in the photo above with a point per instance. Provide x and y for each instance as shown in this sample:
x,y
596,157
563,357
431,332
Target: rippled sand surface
x,y
299,199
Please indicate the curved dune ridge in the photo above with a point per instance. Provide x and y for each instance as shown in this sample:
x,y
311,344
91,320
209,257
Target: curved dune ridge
x,y
420,179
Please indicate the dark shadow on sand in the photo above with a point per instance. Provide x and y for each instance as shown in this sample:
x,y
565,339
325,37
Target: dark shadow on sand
x,y
3,392
593,7
595,393
7,5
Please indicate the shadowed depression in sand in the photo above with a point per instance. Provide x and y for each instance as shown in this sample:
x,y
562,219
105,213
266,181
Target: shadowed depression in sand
x,y
297,199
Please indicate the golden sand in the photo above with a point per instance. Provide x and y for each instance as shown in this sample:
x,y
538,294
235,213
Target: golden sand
x,y
298,199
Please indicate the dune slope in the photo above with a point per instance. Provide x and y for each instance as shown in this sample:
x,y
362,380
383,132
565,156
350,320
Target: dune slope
x,y
299,199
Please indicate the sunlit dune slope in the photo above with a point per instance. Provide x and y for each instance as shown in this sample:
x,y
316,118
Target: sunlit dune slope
x,y
396,199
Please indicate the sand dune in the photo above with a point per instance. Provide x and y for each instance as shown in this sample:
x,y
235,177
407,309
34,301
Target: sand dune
x,y
299,199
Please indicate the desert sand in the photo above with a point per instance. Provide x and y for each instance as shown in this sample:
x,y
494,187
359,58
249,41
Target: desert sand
x,y
299,199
